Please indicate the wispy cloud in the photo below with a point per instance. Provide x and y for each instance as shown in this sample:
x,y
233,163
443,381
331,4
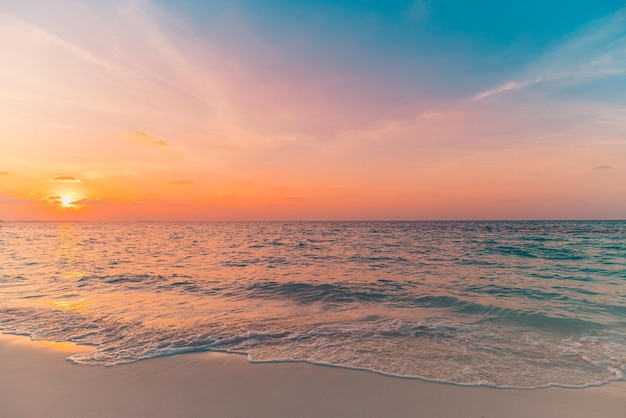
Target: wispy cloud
x,y
65,179
4,173
147,138
141,135
595,51
511,85
88,202
602,167
52,199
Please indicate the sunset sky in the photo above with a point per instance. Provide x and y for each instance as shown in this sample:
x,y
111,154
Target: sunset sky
x,y
312,110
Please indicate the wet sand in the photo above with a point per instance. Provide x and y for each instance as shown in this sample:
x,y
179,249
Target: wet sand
x,y
37,381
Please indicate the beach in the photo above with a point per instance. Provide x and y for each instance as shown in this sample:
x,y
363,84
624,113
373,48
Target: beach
x,y
37,381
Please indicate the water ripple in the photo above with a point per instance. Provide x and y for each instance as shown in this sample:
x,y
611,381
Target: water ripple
x,y
509,304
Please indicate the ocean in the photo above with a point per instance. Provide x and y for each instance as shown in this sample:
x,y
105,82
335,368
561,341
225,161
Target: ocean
x,y
504,304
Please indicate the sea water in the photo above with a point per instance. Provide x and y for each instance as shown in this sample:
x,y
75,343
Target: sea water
x,y
505,304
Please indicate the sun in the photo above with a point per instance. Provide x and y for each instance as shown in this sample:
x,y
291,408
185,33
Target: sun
x,y
66,201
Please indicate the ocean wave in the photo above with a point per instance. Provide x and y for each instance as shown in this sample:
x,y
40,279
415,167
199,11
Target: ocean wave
x,y
538,251
311,292
468,354
506,304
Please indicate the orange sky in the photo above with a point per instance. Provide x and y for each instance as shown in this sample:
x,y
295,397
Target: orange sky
x,y
133,113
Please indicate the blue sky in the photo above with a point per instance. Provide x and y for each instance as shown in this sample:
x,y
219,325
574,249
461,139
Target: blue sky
x,y
445,49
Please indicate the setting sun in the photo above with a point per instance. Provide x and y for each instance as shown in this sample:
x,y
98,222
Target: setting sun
x,y
66,201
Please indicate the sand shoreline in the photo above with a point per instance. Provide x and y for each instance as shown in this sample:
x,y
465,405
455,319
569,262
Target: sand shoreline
x,y
36,381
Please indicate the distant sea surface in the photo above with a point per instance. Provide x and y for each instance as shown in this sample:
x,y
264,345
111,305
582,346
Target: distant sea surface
x,y
505,304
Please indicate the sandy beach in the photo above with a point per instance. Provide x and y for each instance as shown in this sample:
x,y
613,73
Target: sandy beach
x,y
37,381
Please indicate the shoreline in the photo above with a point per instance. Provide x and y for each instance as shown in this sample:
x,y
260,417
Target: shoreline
x,y
36,380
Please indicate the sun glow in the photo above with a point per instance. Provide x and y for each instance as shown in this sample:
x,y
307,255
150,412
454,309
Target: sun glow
x,y
66,201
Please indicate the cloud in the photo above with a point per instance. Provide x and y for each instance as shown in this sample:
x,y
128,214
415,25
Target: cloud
x,y
602,167
53,199
431,116
65,179
147,138
58,201
141,135
181,182
596,51
511,85
224,95
85,201
4,173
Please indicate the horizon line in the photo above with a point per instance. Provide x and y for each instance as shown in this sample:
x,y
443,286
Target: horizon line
x,y
312,220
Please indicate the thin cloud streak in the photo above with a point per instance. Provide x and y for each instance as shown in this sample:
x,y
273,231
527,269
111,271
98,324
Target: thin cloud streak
x,y
511,85
595,51
65,179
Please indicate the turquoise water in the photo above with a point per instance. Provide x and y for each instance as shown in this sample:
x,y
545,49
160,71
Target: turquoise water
x,y
506,304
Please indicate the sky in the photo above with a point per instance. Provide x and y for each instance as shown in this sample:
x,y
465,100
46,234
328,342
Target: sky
x,y
312,110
